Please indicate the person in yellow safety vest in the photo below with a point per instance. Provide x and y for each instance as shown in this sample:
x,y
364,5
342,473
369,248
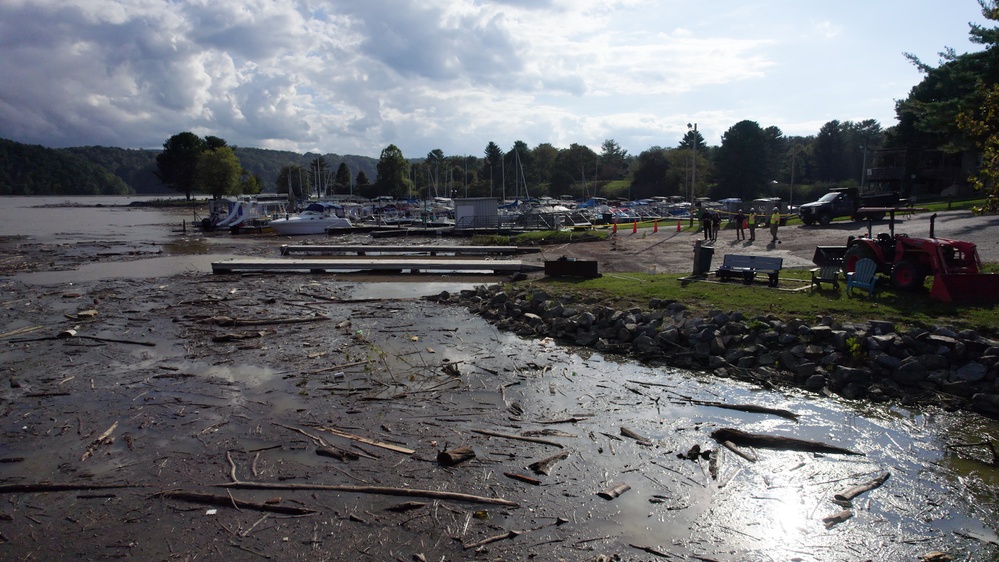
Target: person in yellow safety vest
x,y
752,225
774,223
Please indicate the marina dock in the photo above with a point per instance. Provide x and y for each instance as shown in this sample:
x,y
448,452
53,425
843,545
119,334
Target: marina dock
x,y
413,264
362,250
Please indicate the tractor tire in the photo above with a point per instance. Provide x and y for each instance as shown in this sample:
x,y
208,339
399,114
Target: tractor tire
x,y
856,253
907,275
825,219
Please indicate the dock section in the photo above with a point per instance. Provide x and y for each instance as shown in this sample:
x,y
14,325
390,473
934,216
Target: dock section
x,y
369,249
398,264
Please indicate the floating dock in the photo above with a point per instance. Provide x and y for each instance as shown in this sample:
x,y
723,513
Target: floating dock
x,y
397,264
362,250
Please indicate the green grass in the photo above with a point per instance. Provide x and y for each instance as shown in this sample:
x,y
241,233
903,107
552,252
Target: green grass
x,y
905,309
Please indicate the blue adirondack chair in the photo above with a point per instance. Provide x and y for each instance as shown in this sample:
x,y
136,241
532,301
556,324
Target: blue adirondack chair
x,y
863,277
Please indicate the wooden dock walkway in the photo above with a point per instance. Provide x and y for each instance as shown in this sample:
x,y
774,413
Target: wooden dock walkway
x,y
414,264
362,250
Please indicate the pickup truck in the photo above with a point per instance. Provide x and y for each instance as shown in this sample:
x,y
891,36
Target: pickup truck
x,y
844,202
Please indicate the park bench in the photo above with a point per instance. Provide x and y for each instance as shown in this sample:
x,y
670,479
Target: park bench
x,y
748,266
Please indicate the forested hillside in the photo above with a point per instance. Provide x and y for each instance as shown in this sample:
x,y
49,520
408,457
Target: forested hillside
x,y
36,170
268,163
101,170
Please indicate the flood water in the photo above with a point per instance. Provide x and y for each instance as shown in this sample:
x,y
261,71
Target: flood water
x,y
937,498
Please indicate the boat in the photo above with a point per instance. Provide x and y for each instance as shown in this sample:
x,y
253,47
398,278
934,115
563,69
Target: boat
x,y
316,218
246,213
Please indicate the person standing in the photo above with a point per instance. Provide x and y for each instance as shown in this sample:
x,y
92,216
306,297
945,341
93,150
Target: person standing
x,y
740,220
706,223
774,223
752,225
715,225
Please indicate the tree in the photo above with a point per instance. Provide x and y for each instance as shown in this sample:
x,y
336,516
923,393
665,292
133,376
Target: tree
x,y
613,161
250,184
218,172
742,164
517,162
293,178
341,182
543,158
650,177
393,173
363,183
177,164
983,126
492,167
572,164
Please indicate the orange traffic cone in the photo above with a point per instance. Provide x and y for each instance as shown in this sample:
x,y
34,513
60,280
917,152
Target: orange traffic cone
x,y
634,227
655,226
678,225
614,230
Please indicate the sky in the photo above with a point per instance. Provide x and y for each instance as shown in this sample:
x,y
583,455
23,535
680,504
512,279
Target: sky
x,y
355,76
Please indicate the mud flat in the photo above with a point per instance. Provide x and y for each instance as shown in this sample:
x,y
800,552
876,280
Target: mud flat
x,y
283,416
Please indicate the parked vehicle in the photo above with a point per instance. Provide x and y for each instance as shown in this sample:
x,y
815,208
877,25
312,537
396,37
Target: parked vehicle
x,y
845,202
954,265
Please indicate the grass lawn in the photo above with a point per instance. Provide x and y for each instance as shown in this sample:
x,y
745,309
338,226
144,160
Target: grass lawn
x,y
905,309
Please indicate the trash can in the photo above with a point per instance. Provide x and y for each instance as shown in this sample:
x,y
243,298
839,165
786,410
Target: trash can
x,y
702,258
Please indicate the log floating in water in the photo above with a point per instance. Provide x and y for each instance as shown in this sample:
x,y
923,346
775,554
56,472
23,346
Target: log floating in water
x,y
837,518
544,466
384,490
637,437
614,491
517,437
742,438
455,456
523,478
751,408
867,486
229,501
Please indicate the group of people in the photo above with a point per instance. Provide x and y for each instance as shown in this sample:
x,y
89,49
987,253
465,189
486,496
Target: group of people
x,y
711,224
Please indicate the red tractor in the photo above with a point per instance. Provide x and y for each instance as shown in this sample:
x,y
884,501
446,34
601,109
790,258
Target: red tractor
x,y
954,265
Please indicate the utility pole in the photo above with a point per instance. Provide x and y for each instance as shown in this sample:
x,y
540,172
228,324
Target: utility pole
x,y
693,156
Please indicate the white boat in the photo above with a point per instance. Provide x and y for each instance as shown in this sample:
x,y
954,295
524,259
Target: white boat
x,y
315,219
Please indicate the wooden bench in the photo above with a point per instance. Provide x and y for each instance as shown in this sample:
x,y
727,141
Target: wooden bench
x,y
749,266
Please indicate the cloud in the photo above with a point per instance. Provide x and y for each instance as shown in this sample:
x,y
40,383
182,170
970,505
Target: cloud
x,y
353,77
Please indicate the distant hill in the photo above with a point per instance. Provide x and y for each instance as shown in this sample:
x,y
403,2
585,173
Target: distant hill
x,y
99,170
35,170
268,163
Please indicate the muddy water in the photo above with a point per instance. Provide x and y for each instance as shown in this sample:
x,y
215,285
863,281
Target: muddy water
x,y
382,373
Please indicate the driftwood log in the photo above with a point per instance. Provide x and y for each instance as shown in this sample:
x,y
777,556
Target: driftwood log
x,y
642,440
455,456
855,491
544,466
614,491
751,408
517,437
53,487
383,490
229,501
523,478
836,518
744,439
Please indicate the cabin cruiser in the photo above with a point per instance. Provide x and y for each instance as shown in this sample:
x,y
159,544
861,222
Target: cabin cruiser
x,y
315,219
